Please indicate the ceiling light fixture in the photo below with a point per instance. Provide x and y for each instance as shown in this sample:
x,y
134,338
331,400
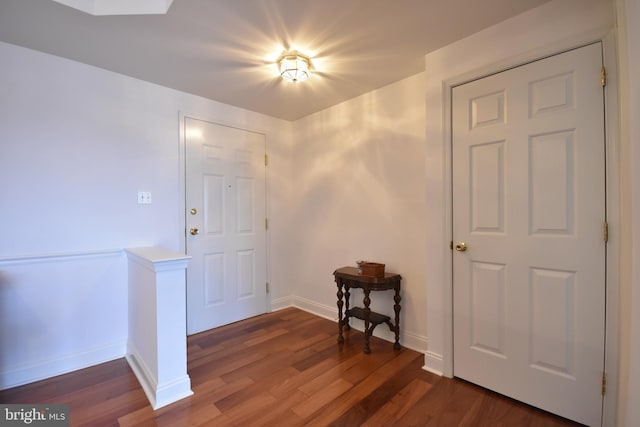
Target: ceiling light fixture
x,y
294,67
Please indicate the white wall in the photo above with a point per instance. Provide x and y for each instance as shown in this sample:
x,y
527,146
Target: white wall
x,y
628,14
359,193
76,145
60,313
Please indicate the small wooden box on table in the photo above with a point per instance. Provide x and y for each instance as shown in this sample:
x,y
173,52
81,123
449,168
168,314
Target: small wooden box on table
x,y
348,278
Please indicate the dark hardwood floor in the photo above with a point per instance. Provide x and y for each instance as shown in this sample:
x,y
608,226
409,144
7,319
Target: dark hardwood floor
x,y
285,369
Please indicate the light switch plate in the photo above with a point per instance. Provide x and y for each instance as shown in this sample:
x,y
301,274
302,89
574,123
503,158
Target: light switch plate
x,y
144,197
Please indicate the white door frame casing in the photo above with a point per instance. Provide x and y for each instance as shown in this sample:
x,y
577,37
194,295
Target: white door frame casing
x,y
225,181
473,58
519,311
182,227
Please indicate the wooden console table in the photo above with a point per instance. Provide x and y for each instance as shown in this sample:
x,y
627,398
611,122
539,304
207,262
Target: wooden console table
x,y
348,278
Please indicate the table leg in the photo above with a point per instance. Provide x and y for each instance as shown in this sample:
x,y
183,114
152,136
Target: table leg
x,y
396,308
340,303
347,295
367,315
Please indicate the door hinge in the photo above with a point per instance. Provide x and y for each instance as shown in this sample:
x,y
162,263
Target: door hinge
x,y
266,160
603,76
267,287
605,232
604,383
266,224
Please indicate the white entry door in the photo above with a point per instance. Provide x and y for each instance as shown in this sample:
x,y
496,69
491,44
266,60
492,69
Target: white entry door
x,y
529,206
225,224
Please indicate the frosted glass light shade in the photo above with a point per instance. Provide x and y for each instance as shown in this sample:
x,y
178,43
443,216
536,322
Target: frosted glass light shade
x,y
294,68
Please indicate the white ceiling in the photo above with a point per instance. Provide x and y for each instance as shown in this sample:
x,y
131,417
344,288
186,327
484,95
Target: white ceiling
x,y
225,49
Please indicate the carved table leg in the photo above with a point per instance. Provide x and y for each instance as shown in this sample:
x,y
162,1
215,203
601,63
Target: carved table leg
x,y
347,295
367,314
340,303
396,308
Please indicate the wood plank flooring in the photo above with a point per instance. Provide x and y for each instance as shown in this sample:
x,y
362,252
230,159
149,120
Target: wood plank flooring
x,y
285,369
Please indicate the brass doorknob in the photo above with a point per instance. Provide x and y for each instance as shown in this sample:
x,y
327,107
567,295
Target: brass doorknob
x,y
461,247
194,231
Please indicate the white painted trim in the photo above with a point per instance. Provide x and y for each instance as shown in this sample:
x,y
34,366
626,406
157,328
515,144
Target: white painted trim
x,y
434,360
612,212
172,391
612,114
182,180
538,43
471,67
325,311
50,368
158,395
269,217
407,339
158,259
157,307
282,303
142,373
58,256
410,340
79,358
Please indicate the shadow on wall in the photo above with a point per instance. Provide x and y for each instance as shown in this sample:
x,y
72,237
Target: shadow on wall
x,y
361,180
360,193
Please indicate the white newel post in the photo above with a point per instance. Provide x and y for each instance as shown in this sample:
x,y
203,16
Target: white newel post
x,y
157,345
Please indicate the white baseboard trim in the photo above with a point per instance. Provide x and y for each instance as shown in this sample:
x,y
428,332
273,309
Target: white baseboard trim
x,y
143,375
61,365
312,307
281,303
159,395
433,363
325,311
172,391
407,339
413,341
